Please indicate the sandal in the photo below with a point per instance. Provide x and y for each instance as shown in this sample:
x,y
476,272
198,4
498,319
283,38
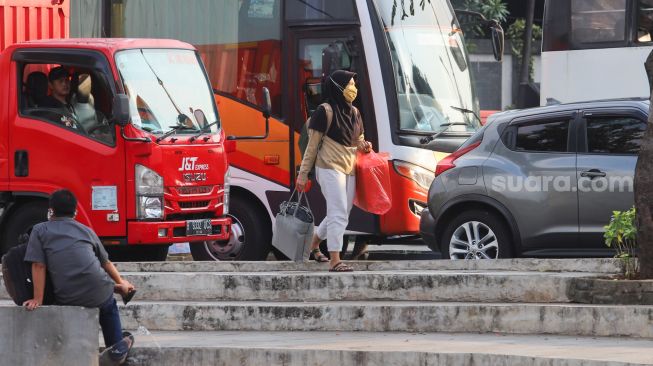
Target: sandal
x,y
341,267
318,256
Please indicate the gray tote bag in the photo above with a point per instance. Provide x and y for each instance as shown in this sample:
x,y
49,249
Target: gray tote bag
x,y
293,228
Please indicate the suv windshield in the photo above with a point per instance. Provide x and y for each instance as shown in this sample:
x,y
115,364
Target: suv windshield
x,y
167,90
431,67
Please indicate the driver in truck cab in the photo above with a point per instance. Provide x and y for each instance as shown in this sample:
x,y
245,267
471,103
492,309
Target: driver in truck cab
x,y
59,82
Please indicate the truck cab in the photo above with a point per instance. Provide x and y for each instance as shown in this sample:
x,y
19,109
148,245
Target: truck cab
x,y
137,139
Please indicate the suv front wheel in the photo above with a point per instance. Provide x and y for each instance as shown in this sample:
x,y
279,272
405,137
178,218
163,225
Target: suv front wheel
x,y
476,234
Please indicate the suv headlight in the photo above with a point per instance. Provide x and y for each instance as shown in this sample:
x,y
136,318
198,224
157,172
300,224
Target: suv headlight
x,y
149,193
227,188
419,175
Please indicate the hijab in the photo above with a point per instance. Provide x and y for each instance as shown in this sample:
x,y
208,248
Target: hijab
x,y
346,126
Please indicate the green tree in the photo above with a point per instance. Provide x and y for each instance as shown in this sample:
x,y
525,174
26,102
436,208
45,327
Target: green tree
x,y
491,9
515,34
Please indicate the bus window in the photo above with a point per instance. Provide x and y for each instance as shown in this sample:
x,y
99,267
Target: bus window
x,y
598,21
644,20
320,10
239,41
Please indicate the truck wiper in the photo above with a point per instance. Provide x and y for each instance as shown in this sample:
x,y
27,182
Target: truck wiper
x,y
426,139
468,111
204,130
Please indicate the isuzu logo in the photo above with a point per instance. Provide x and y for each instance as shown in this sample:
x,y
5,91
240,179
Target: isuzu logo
x,y
190,164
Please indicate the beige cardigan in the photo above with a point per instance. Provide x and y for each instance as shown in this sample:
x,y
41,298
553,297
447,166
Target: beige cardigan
x,y
331,155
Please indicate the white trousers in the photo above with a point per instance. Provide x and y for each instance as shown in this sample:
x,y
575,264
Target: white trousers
x,y
338,190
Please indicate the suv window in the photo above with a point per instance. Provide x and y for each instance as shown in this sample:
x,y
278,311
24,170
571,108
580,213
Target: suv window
x,y
614,135
550,136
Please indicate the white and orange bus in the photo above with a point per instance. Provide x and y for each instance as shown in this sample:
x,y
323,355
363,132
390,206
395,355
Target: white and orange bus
x,y
415,93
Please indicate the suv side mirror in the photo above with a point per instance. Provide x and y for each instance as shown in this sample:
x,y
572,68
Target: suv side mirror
x,y
121,110
267,104
497,41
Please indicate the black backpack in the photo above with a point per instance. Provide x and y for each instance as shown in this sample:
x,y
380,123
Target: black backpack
x,y
17,276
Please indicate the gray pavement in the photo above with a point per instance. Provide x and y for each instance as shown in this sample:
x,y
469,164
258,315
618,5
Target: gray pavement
x,y
364,348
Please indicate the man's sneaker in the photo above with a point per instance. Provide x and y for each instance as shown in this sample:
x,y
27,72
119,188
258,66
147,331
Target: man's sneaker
x,y
117,354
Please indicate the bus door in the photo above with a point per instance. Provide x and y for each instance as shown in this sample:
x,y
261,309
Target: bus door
x,y
316,53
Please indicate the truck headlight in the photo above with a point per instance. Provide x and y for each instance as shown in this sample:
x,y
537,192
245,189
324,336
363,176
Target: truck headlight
x,y
149,193
227,188
417,174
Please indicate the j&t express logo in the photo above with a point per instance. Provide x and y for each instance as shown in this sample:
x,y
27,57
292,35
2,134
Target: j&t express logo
x,y
190,164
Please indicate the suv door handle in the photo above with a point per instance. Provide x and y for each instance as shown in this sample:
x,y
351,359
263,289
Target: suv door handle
x,y
592,173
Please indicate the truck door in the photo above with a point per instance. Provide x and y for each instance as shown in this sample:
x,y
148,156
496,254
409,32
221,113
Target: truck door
x,y
72,145
315,53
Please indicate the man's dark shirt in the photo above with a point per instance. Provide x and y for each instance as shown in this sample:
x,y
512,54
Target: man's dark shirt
x,y
73,255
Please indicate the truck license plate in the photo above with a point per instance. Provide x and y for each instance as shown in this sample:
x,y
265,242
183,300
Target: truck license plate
x,y
198,227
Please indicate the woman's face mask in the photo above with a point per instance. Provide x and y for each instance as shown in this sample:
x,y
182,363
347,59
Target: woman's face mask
x,y
350,93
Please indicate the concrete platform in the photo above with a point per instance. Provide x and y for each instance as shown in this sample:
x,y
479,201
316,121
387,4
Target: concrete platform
x,y
49,335
600,265
389,316
397,349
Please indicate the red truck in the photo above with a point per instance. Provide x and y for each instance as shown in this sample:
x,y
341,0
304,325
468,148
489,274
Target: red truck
x,y
139,142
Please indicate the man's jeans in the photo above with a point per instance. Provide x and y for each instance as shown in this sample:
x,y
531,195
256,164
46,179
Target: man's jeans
x,y
111,327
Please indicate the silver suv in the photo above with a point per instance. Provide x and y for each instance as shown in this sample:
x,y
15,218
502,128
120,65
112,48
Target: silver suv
x,y
537,182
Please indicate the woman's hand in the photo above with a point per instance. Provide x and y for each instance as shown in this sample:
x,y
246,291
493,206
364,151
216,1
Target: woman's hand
x,y
364,146
303,184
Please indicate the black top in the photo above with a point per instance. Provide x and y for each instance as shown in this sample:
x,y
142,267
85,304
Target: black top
x,y
347,124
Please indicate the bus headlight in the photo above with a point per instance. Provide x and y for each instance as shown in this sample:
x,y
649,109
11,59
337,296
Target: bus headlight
x,y
417,174
227,188
149,193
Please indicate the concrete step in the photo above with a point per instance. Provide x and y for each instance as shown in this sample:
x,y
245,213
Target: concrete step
x,y
376,349
599,265
357,286
464,286
393,316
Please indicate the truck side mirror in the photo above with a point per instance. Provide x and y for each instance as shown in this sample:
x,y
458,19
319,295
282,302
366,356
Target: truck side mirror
x,y
121,110
267,104
497,41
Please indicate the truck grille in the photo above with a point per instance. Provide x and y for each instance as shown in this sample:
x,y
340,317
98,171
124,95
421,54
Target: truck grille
x,y
194,204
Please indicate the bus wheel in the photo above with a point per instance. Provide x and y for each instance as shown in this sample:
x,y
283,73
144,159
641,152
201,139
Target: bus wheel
x,y
22,221
250,238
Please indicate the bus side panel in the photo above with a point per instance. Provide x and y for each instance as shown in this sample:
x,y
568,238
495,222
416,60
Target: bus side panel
x,y
24,20
267,158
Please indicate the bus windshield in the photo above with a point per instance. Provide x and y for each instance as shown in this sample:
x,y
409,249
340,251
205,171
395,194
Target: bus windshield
x,y
167,90
431,68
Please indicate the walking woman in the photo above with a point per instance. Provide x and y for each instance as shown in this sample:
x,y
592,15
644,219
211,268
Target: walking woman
x,y
335,134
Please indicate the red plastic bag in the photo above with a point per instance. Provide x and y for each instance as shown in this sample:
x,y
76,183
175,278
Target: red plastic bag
x,y
373,193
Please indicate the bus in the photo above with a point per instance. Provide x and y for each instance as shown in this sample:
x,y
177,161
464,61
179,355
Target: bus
x,y
415,94
595,49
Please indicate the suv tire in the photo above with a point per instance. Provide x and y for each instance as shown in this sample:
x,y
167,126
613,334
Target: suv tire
x,y
492,238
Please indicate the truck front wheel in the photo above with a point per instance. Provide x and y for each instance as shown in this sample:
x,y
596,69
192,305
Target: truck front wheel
x,y
250,238
21,221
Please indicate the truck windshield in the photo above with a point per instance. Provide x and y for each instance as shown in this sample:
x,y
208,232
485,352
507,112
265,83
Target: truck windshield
x,y
167,90
430,67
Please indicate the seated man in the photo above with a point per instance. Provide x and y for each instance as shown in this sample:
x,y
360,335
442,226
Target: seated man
x,y
79,268
59,82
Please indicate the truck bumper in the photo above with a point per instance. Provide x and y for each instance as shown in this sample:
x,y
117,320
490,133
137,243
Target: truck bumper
x,y
168,232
